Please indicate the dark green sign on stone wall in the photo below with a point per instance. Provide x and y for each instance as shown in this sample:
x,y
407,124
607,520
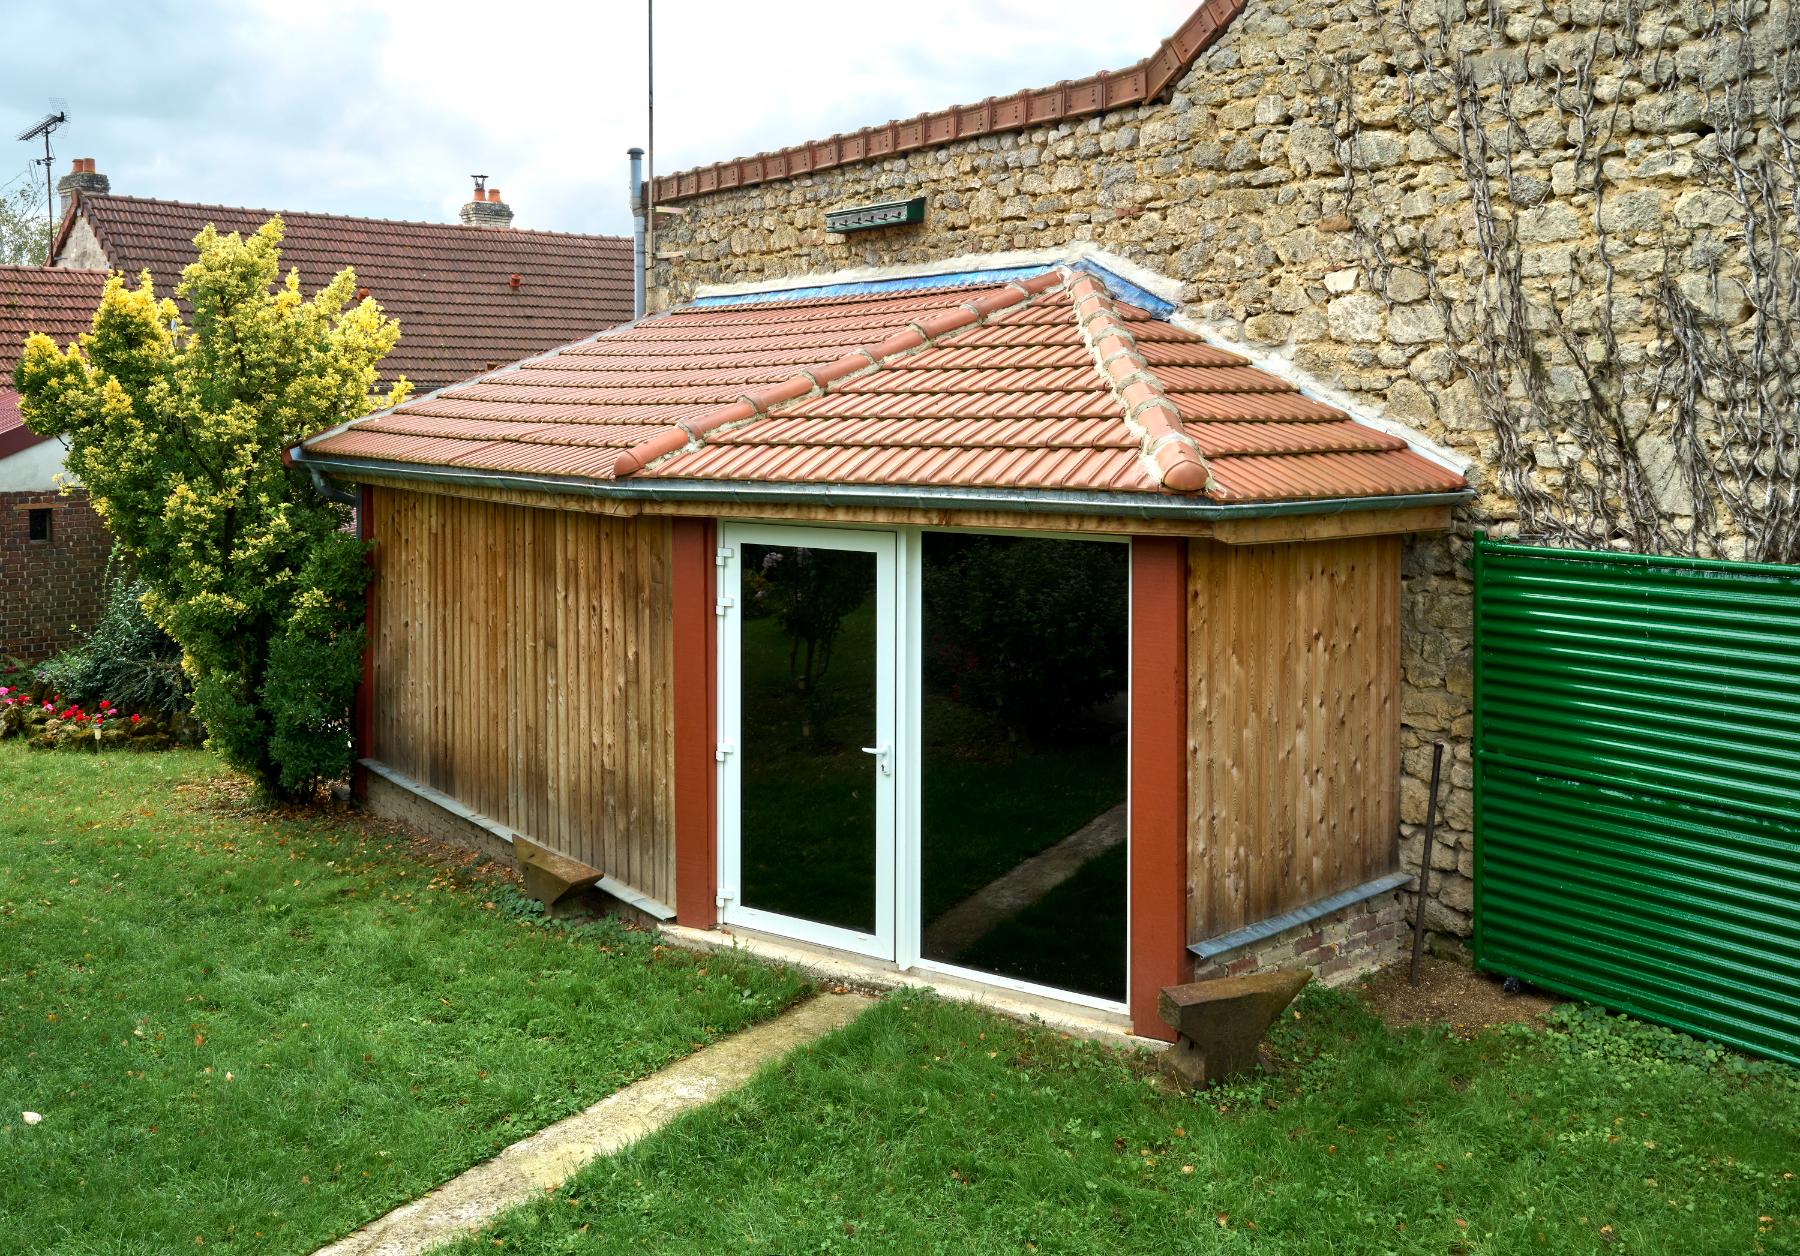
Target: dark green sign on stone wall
x,y
1637,786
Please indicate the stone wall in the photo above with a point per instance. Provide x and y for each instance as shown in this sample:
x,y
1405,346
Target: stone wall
x,y
51,591
1473,219
82,249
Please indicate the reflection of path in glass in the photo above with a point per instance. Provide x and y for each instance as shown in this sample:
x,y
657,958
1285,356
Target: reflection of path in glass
x,y
1013,891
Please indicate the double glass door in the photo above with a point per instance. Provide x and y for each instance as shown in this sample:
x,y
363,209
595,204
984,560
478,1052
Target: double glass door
x,y
923,749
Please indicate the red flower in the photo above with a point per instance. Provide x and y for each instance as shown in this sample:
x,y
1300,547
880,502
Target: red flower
x,y
136,718
105,705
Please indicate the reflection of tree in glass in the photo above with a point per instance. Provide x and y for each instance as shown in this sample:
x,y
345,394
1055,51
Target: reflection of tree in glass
x,y
1030,631
808,592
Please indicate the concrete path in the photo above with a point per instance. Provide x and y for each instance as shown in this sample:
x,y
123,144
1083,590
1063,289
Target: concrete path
x,y
547,1158
1019,887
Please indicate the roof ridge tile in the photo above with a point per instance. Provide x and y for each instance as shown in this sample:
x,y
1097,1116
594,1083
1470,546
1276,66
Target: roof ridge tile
x,y
1171,458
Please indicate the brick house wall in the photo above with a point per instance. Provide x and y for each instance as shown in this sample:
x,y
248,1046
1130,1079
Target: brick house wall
x,y
1292,181
51,590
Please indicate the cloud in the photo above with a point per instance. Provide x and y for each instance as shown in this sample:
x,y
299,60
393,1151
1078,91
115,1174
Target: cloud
x,y
386,108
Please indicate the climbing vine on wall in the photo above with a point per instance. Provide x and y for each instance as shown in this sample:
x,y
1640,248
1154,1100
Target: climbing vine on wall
x,y
1635,350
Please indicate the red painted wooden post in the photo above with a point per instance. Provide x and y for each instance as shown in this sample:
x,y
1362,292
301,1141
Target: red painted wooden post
x,y
1159,826
694,582
362,706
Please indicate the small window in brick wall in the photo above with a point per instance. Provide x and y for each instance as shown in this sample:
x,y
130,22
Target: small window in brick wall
x,y
39,524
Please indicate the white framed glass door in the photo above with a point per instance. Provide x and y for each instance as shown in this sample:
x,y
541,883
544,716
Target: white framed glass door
x,y
807,739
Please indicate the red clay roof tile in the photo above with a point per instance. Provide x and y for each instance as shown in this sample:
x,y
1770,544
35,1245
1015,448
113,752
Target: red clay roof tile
x,y
58,302
1016,401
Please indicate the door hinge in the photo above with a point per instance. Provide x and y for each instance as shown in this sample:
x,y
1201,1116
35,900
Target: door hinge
x,y
724,896
723,556
725,604
722,749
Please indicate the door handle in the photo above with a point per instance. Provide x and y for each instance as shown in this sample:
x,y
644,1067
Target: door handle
x,y
881,758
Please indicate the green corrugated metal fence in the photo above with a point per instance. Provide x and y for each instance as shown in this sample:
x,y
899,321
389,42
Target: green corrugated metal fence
x,y
1637,786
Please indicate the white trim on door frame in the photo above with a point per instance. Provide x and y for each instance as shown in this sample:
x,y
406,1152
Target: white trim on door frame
x,y
899,907
884,768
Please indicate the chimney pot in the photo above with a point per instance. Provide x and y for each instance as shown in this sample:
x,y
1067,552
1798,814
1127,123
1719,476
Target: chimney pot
x,y
486,209
82,178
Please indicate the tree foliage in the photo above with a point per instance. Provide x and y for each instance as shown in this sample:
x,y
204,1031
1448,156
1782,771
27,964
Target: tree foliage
x,y
177,430
24,229
1033,631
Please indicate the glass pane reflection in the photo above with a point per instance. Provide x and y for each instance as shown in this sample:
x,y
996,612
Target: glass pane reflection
x,y
808,685
1025,658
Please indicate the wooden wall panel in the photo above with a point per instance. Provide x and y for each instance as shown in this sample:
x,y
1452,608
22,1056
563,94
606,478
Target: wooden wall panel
x,y
1293,724
522,661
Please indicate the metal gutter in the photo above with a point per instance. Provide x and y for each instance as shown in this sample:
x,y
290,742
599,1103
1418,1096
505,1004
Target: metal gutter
x,y
1238,939
1044,501
329,491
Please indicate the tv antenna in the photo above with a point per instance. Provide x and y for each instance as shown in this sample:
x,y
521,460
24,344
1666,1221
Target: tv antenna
x,y
43,127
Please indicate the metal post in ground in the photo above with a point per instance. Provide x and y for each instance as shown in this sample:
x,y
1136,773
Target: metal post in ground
x,y
1437,762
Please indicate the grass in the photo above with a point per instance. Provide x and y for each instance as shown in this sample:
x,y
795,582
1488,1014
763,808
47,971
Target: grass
x,y
931,1127
258,1030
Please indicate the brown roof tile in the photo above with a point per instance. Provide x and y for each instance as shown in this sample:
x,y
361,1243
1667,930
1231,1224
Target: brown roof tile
x,y
59,303
1004,390
449,285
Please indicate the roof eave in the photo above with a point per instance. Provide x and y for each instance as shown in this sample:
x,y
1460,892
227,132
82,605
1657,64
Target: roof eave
x,y
887,496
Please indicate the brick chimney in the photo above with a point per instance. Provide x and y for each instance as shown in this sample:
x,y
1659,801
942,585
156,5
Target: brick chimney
x,y
485,208
82,177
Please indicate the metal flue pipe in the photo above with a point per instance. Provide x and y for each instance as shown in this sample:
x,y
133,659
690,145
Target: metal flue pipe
x,y
638,217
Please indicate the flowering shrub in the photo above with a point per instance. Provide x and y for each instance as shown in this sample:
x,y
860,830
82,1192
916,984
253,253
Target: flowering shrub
x,y
49,723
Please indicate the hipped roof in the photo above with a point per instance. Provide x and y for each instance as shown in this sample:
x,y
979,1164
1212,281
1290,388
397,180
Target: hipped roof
x,y
1046,382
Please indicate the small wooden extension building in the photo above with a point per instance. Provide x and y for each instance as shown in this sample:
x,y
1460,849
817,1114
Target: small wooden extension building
x,y
987,624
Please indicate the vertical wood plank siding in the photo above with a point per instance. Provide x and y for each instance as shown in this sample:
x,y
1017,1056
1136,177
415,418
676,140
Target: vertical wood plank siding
x,y
521,665
1293,724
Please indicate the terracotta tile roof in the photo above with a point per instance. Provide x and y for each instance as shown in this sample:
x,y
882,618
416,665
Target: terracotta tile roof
x,y
449,285
59,303
1139,83
1046,383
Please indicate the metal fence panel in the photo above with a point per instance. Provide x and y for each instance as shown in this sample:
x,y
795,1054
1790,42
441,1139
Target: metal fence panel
x,y
1637,785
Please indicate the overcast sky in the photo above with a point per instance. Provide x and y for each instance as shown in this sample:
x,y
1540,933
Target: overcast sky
x,y
385,107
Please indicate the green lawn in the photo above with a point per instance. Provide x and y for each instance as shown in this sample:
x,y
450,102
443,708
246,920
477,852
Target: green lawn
x,y
258,1031
930,1127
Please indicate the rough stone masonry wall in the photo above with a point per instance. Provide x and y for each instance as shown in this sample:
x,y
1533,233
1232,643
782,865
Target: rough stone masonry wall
x,y
50,591
1524,229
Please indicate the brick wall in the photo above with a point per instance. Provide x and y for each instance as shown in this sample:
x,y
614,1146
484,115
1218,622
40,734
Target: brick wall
x,y
1338,948
50,591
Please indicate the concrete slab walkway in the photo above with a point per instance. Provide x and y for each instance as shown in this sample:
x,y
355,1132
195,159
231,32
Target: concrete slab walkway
x,y
547,1158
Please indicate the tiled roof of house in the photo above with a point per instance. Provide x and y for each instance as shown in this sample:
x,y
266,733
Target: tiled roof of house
x,y
1042,383
1139,83
451,286
59,303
